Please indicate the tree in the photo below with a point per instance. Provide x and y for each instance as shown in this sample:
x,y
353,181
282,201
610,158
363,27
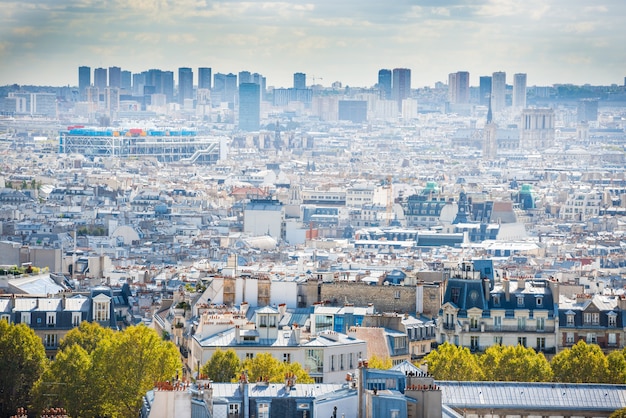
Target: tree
x,y
583,363
617,367
265,367
515,364
376,362
70,383
129,364
22,362
87,335
222,366
620,413
450,362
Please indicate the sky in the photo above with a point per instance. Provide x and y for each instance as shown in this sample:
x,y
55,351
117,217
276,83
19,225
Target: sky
x,y
553,41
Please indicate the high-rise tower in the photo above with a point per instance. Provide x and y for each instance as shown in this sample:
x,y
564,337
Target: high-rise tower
x,y
458,87
401,85
498,91
299,81
115,77
185,84
100,78
84,80
519,91
204,78
249,106
484,90
384,84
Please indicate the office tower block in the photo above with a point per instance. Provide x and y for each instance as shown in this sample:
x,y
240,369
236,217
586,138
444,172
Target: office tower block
x,y
400,85
185,84
230,88
498,91
84,80
126,81
115,77
167,85
299,81
100,78
261,81
112,100
245,77
204,78
139,80
249,107
219,87
461,87
384,84
484,90
519,91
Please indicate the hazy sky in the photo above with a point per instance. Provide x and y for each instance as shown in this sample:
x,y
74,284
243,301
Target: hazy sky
x,y
553,41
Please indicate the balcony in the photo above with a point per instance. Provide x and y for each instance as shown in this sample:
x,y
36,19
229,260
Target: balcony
x,y
547,329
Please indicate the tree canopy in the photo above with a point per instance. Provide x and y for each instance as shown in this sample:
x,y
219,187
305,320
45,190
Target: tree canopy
x,y
451,362
99,372
517,364
376,362
583,363
22,362
265,367
223,366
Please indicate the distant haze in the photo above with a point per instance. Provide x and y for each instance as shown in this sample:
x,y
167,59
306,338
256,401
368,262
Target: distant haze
x,y
553,41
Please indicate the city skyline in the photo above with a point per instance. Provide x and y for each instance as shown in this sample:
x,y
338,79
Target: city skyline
x,y
557,42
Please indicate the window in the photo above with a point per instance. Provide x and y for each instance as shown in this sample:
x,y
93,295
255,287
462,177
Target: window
x,y
570,320
249,356
51,318
592,338
76,319
595,318
539,301
541,324
520,301
233,410
474,343
497,323
521,323
26,318
474,323
587,318
541,344
497,340
496,300
612,338
5,317
50,340
456,291
569,338
101,311
272,321
612,319
286,357
263,410
332,363
394,413
396,294
314,361
341,362
521,341
263,321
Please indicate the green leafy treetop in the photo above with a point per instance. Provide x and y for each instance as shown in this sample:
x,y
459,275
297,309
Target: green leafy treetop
x,y
222,366
22,361
583,363
515,364
376,362
450,362
265,367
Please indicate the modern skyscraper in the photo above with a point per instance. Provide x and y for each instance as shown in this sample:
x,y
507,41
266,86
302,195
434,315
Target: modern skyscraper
x,y
484,90
100,78
115,77
400,85
245,77
498,91
230,88
204,78
458,87
167,85
185,84
126,81
519,91
249,107
84,80
384,84
299,81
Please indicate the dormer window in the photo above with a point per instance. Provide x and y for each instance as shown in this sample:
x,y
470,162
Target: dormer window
x,y
496,300
570,320
539,301
520,301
